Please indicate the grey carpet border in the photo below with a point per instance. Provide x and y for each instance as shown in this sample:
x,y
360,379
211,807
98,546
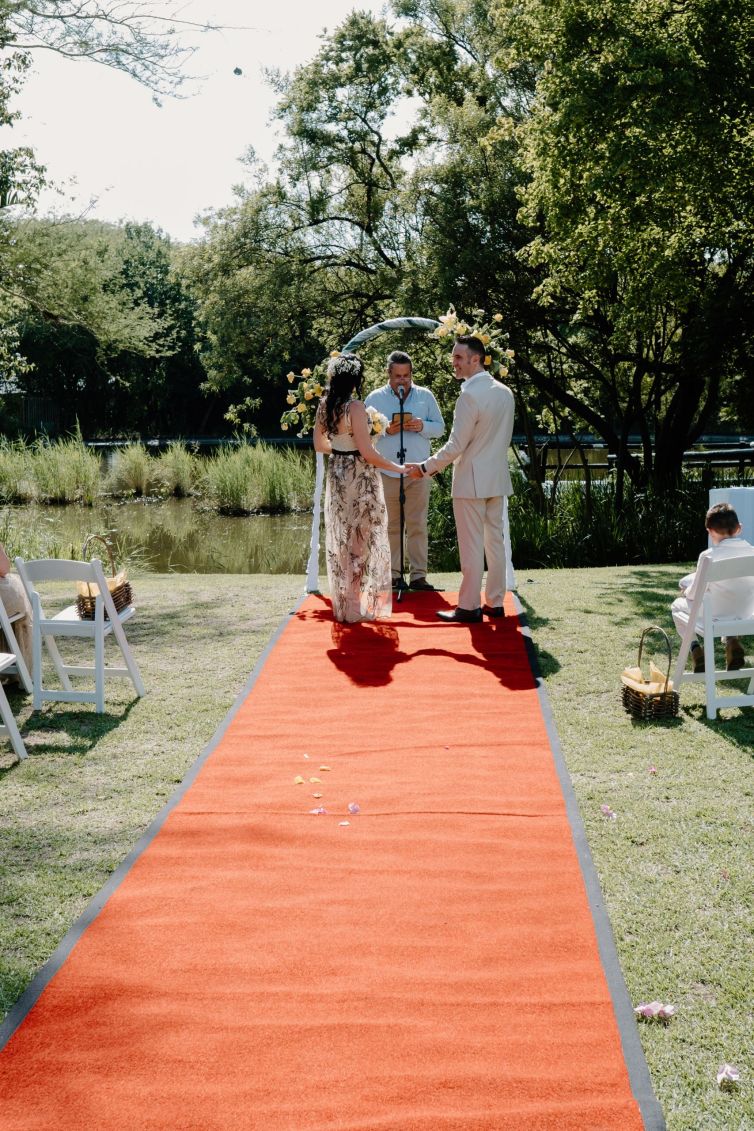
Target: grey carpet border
x,y
18,1012
633,1053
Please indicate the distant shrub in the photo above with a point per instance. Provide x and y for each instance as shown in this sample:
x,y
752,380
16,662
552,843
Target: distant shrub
x,y
64,471
133,472
252,478
177,470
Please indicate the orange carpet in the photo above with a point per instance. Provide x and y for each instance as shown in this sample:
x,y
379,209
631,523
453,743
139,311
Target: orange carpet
x,y
427,963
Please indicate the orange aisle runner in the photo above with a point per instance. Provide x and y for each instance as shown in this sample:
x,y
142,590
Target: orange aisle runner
x,y
427,963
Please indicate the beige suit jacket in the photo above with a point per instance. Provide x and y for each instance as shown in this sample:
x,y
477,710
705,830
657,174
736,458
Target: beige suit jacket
x,y
479,440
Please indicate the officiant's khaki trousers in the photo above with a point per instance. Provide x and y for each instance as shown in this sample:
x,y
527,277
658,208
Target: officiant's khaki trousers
x,y
479,525
415,516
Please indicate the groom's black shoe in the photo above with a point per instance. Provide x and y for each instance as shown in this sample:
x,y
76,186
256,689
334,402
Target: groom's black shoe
x,y
493,610
463,616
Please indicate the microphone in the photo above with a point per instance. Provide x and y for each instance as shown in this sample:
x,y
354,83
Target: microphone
x,y
401,391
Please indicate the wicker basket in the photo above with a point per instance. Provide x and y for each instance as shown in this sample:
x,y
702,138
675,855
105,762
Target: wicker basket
x,y
119,586
651,704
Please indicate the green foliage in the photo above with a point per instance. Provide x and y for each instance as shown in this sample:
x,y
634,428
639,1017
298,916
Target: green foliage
x,y
638,174
578,522
106,325
16,484
65,471
133,471
21,540
178,469
250,478
62,471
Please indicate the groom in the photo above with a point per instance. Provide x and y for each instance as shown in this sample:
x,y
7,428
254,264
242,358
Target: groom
x,y
478,447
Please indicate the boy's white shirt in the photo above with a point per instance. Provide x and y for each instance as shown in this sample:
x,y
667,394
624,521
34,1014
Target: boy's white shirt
x,y
732,598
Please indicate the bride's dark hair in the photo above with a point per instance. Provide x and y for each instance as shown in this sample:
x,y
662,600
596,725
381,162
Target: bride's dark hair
x,y
344,376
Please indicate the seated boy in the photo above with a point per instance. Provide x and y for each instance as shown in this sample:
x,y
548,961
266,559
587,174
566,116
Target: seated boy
x,y
733,598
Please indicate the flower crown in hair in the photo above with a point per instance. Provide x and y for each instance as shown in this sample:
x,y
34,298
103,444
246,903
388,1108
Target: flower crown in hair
x,y
345,365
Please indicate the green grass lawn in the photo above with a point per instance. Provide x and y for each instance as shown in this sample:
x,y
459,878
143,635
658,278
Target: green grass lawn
x,y
675,866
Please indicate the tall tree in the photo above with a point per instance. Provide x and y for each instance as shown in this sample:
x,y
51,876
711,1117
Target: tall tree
x,y
81,313
309,257
640,195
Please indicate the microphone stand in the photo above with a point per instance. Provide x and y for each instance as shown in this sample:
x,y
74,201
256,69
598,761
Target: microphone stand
x,y
401,493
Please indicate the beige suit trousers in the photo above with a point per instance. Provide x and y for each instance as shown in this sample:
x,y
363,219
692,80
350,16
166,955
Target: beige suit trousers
x,y
415,516
479,524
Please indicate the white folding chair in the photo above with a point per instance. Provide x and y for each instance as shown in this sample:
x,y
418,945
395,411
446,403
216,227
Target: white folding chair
x,y
700,621
17,666
69,624
8,728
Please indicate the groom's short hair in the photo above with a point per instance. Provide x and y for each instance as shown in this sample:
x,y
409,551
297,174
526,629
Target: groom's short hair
x,y
473,344
398,357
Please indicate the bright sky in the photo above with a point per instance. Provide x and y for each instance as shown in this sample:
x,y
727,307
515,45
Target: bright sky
x,y
102,137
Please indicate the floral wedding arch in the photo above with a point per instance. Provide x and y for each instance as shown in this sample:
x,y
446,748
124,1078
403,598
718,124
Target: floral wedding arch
x,y
309,387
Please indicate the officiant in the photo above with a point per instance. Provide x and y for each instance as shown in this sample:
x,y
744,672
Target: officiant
x,y
422,422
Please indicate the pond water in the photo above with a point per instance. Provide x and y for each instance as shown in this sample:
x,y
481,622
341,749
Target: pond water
x,y
171,535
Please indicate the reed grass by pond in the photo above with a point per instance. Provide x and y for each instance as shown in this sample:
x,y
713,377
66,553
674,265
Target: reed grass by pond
x,y
242,479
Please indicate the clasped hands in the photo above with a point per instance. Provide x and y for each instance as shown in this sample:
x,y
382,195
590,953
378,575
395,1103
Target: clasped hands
x,y
413,471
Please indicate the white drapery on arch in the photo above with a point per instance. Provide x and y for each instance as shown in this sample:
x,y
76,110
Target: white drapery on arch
x,y
312,566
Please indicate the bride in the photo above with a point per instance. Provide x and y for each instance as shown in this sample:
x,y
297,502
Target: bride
x,y
356,537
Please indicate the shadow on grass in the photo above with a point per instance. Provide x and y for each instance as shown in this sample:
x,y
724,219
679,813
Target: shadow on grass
x,y
548,665
737,729
650,591
70,733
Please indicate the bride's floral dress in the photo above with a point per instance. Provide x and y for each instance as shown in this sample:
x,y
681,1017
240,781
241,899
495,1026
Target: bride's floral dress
x,y
356,537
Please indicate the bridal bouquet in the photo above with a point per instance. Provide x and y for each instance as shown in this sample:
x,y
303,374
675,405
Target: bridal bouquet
x,y
377,421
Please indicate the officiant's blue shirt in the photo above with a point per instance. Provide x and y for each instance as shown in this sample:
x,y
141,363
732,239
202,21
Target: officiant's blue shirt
x,y
419,402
